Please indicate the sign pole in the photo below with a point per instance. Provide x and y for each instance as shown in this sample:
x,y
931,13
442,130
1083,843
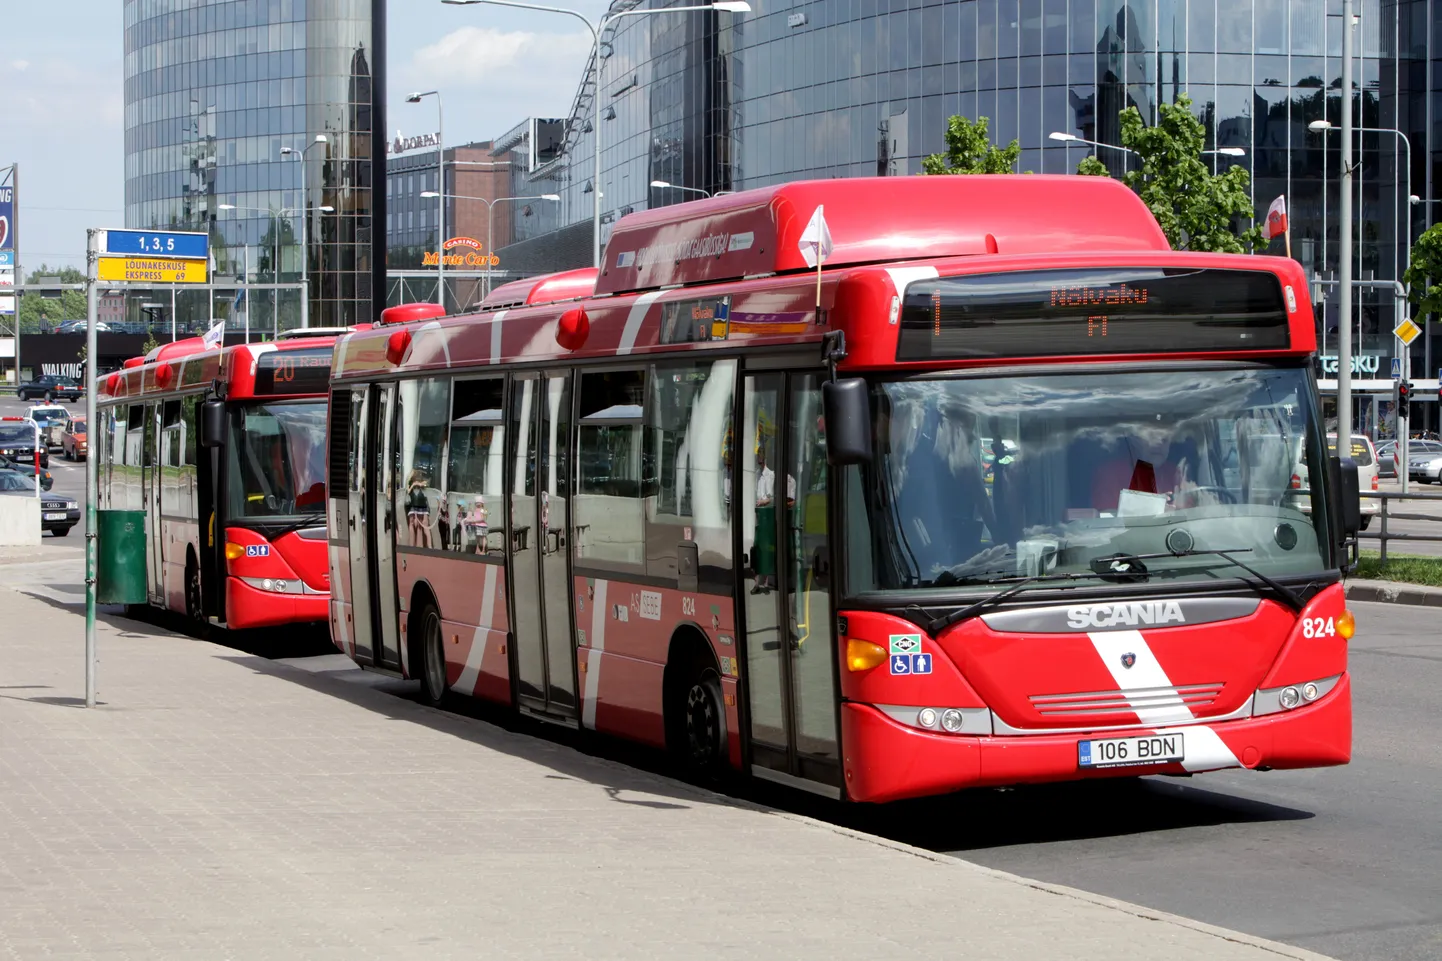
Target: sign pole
x,y
1404,424
92,473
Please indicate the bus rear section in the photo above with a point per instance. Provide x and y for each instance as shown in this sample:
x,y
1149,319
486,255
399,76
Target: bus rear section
x,y
224,451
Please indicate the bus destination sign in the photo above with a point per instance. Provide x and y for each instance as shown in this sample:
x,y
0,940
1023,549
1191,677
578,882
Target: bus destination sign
x,y
304,371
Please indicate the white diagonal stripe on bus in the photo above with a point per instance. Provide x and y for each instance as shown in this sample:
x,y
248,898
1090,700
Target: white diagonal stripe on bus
x,y
596,641
496,336
901,276
1146,672
434,327
1203,749
635,319
471,673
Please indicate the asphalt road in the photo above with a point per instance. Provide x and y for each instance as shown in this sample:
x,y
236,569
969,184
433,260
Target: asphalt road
x,y
1345,861
69,477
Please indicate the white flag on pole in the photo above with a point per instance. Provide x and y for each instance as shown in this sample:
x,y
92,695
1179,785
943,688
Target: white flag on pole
x,y
213,336
815,244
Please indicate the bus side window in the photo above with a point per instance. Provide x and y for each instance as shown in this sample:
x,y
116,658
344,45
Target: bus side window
x,y
688,414
473,498
611,471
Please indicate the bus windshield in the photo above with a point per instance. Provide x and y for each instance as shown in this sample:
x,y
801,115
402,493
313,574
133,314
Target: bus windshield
x,y
277,461
983,479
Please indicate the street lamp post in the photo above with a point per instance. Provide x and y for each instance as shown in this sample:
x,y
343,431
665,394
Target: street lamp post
x,y
670,186
490,209
304,217
275,257
597,29
1072,138
441,179
1403,351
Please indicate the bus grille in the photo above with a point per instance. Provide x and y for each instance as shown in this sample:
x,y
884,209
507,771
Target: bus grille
x,y
1194,697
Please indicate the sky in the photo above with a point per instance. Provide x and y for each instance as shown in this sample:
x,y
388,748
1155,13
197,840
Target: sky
x,y
62,97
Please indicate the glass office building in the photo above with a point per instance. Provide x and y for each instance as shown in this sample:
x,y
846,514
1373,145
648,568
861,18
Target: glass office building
x,y
213,92
833,88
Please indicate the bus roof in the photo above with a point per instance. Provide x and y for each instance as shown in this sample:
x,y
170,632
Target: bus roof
x,y
546,289
955,227
873,220
188,365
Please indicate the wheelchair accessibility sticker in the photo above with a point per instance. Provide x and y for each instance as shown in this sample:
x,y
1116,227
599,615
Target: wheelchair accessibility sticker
x,y
906,656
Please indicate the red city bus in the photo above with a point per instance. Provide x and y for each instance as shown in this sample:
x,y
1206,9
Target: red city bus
x,y
224,450
999,495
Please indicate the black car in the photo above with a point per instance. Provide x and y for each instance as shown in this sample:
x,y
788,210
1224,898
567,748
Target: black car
x,y
17,443
57,514
51,387
26,468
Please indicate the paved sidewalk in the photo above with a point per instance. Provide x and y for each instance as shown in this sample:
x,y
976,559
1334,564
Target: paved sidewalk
x,y
217,805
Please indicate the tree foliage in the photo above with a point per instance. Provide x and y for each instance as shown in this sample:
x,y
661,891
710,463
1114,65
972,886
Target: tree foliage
x,y
39,313
1196,209
1424,271
969,150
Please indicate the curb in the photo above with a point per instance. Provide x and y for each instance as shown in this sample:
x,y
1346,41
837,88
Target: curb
x,y
1395,592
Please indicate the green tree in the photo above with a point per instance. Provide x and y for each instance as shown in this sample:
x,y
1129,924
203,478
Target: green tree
x,y
1196,209
40,313
969,150
150,344
1424,271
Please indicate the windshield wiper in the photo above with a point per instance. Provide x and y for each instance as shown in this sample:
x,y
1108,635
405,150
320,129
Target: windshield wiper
x,y
942,623
1292,598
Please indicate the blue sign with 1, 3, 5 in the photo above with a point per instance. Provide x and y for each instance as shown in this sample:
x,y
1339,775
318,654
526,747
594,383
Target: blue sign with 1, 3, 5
x,y
911,664
157,243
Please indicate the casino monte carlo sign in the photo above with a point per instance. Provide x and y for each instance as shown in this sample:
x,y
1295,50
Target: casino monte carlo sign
x,y
461,252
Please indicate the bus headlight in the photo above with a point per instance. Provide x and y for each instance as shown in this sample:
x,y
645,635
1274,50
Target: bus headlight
x,y
952,720
1290,697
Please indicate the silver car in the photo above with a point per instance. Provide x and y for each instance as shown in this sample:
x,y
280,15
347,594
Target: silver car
x,y
1424,461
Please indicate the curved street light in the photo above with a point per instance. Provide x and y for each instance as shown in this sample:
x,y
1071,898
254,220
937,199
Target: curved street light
x,y
490,207
665,185
597,29
299,155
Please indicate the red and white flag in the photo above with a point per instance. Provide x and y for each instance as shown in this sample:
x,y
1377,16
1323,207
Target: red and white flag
x,y
1277,217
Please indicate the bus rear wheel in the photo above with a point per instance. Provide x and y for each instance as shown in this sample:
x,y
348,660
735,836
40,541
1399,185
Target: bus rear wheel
x,y
433,656
703,725
194,605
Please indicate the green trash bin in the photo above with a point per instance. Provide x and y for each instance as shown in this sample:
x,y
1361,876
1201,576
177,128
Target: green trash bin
x,y
120,574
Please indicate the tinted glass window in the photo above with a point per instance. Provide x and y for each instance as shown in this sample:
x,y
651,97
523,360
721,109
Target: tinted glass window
x,y
614,473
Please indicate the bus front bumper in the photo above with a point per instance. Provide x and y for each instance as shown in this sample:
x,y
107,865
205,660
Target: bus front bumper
x,y
247,607
886,760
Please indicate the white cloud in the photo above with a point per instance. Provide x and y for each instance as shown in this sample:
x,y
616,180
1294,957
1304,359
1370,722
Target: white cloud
x,y
480,55
19,64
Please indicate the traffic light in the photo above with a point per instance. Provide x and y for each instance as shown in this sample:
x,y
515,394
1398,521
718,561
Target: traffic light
x,y
1403,398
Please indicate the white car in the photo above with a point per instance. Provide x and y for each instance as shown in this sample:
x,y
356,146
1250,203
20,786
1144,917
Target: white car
x,y
1365,457
52,419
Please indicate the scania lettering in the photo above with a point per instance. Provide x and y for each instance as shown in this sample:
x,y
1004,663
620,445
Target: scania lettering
x,y
224,451
992,497
1110,615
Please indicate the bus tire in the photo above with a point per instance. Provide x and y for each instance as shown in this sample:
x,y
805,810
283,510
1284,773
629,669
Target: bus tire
x,y
432,655
696,712
194,600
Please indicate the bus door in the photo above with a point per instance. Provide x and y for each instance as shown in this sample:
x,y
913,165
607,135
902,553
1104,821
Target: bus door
x,y
785,583
540,412
371,527
150,481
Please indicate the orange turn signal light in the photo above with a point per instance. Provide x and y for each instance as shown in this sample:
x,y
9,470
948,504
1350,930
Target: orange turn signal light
x,y
864,655
234,551
1346,625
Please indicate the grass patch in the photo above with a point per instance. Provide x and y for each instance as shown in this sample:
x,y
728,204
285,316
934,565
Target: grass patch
x,y
1409,569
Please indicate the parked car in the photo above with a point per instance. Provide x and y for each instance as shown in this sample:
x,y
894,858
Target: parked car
x,y
52,421
17,441
1387,459
74,445
26,469
1424,461
57,514
1365,457
51,387
78,327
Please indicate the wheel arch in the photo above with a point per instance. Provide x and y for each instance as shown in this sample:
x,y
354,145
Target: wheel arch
x,y
689,653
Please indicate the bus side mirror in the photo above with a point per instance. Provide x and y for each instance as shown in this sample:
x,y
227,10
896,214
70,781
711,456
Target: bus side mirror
x,y
212,423
846,407
1347,514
